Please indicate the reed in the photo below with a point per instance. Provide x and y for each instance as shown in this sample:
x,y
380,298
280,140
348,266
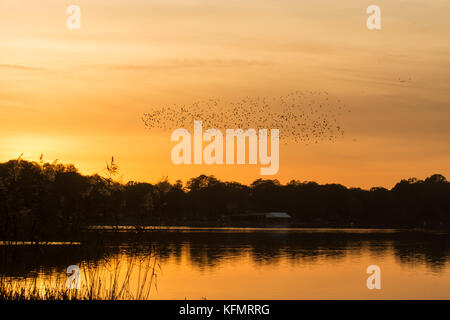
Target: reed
x,y
119,277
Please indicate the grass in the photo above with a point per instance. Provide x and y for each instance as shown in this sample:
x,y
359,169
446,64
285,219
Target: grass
x,y
120,277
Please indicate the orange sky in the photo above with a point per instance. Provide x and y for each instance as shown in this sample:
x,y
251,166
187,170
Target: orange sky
x,y
78,96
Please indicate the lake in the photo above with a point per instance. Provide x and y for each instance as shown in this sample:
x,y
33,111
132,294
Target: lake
x,y
242,263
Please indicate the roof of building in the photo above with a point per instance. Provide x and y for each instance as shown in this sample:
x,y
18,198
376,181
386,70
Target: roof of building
x,y
277,215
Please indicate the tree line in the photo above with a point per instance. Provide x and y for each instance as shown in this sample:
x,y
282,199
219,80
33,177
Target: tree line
x,y
39,200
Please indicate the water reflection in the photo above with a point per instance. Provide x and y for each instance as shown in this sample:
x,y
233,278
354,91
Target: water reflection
x,y
207,252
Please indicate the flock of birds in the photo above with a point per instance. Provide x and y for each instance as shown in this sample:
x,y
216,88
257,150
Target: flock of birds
x,y
301,116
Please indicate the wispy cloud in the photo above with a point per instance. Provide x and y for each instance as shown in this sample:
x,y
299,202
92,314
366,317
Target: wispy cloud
x,y
19,67
189,63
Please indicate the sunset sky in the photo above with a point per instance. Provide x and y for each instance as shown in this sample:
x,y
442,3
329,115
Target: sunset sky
x,y
78,95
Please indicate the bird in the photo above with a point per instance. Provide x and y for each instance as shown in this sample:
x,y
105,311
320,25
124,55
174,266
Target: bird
x,y
302,117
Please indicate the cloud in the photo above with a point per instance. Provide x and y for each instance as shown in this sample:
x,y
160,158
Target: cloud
x,y
18,67
189,63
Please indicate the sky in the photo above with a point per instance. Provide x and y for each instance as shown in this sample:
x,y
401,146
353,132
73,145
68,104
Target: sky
x,y
78,95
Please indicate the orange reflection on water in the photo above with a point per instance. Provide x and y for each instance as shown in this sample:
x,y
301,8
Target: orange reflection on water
x,y
254,264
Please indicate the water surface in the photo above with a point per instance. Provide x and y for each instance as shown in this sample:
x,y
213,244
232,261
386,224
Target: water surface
x,y
255,263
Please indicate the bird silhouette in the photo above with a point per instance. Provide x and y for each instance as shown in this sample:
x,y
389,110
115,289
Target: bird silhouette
x,y
306,117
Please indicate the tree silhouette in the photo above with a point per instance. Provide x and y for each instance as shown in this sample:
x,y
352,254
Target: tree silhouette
x,y
41,200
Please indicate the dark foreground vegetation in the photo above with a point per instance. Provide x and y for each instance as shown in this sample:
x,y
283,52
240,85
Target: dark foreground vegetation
x,y
51,200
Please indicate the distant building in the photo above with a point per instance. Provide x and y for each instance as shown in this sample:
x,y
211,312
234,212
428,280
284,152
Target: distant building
x,y
269,217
